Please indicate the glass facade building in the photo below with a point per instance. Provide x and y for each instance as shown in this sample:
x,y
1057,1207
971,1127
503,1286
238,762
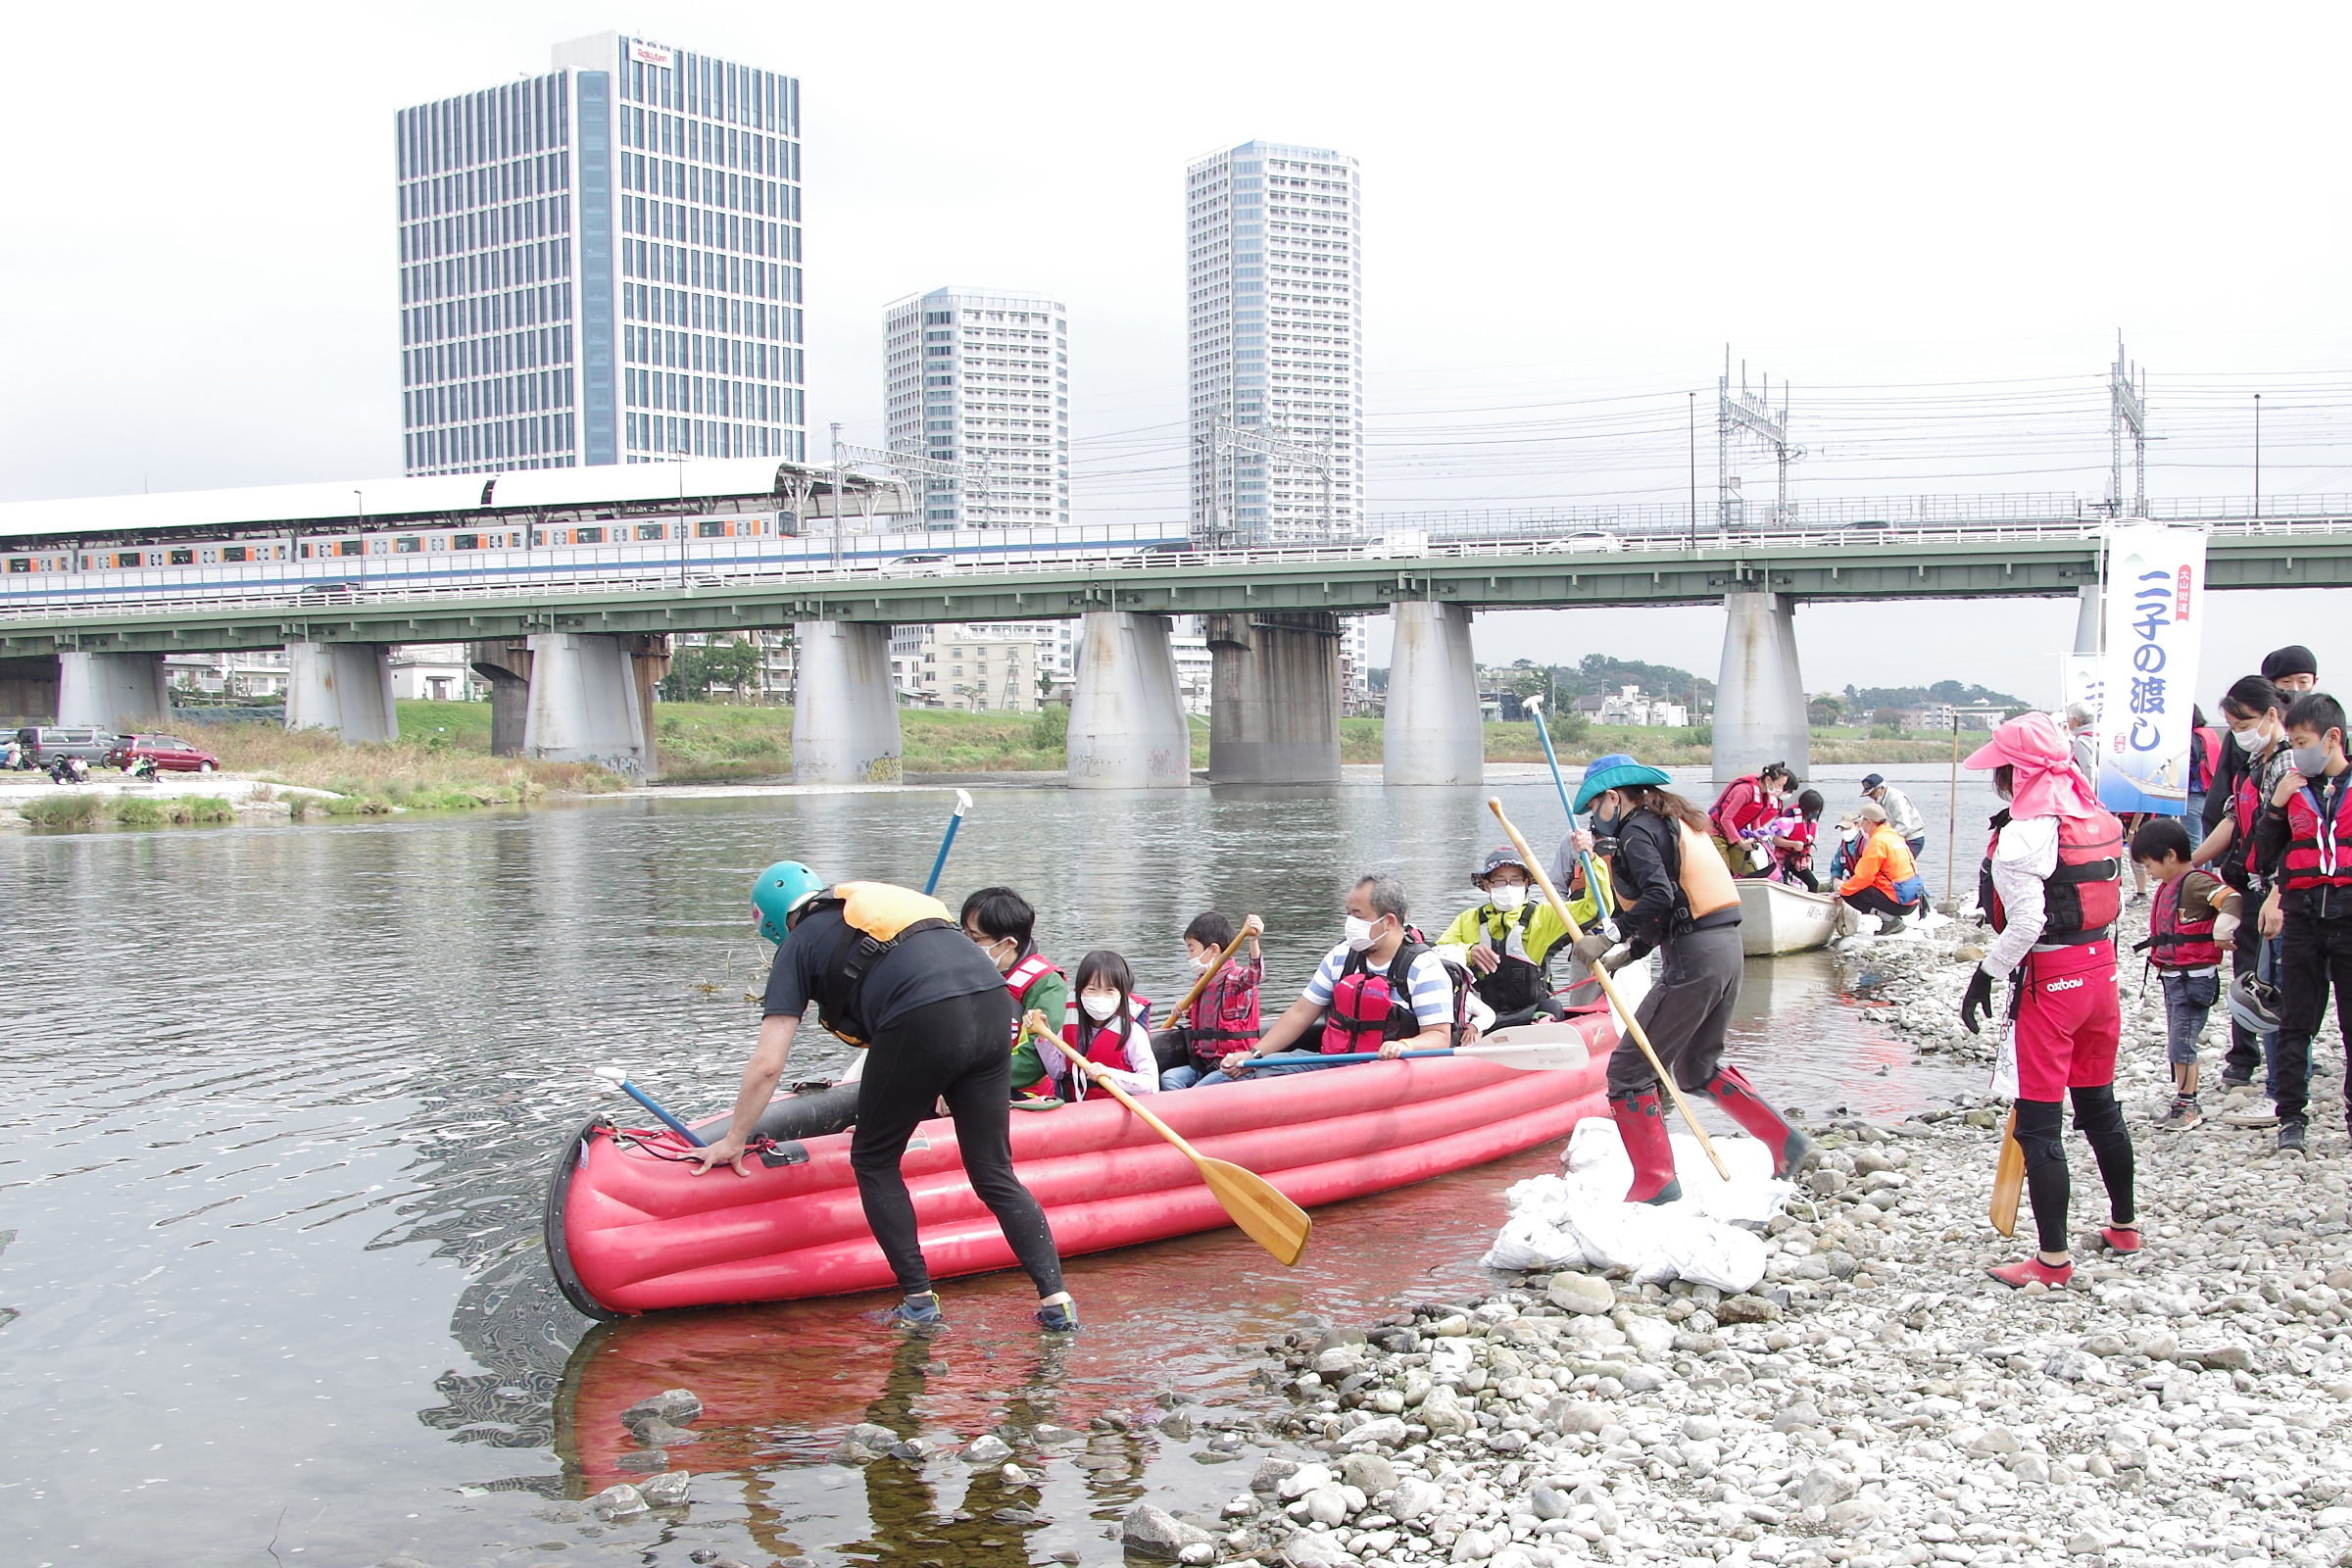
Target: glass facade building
x,y
1275,270
603,265
980,376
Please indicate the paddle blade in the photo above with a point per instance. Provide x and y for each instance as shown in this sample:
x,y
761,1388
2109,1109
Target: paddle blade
x,y
1555,1055
2008,1180
1265,1215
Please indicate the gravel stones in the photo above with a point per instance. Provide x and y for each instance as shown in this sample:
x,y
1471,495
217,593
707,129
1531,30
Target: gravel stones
x,y
1148,1532
987,1449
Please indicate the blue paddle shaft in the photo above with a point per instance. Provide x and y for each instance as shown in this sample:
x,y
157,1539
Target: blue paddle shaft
x,y
944,845
1592,881
667,1120
1293,1058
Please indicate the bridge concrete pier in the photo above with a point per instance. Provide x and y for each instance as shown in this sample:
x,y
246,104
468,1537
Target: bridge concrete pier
x,y
1127,725
122,691
1274,698
2090,620
345,687
1760,694
1433,734
845,715
591,701
507,666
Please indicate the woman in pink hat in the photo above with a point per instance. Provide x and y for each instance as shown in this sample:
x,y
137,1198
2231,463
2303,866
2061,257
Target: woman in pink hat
x,y
2052,885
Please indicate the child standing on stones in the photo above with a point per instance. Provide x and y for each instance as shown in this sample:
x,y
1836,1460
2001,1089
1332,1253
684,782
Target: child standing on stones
x,y
2193,918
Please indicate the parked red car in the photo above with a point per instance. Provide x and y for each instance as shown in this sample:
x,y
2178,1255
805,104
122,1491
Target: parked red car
x,y
171,755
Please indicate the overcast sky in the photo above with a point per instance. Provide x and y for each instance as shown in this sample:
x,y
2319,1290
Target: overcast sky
x,y
1933,222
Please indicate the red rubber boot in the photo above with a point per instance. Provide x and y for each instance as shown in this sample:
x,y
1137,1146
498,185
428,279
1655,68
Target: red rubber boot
x,y
1740,1100
1642,1126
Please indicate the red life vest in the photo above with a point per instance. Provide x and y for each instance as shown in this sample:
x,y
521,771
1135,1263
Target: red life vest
x,y
1729,823
1020,980
2175,943
2084,896
2318,844
1233,1023
2238,867
1369,1006
1104,1044
2204,758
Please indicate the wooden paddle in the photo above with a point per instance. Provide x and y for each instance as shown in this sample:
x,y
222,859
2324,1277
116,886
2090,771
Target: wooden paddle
x,y
1265,1215
2008,1179
1633,1025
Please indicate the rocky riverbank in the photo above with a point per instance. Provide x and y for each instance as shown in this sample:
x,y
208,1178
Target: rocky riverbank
x,y
1876,1400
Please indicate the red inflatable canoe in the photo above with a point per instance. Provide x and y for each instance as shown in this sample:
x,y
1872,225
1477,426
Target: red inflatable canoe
x,y
629,1230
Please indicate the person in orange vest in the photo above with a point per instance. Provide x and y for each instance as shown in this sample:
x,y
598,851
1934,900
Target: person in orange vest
x,y
2052,883
1674,895
2305,842
1884,880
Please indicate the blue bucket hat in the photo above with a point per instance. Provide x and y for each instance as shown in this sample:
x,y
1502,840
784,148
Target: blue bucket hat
x,y
1615,772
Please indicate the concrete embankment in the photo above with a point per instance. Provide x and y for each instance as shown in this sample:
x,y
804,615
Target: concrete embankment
x,y
1876,1399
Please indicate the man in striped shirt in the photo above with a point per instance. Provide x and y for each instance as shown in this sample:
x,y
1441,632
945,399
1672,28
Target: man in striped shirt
x,y
1419,1019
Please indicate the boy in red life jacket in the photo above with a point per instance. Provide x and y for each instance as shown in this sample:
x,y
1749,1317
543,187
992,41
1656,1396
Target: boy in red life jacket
x,y
1224,1020
2190,926
2052,882
2305,844
1377,990
1004,926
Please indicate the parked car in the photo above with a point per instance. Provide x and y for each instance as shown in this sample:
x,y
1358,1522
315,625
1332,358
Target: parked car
x,y
46,743
169,752
919,566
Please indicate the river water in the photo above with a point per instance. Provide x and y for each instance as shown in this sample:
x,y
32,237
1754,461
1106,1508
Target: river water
x,y
283,1101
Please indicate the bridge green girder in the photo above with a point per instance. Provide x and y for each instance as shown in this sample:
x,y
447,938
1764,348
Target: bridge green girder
x,y
1811,569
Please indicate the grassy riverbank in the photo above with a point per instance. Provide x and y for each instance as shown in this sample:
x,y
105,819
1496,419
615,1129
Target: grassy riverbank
x,y
441,762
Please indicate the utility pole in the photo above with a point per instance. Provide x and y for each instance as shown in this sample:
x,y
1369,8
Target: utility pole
x,y
2128,411
1695,470
1752,412
2258,457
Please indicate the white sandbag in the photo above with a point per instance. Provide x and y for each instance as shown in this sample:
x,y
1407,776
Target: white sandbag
x,y
1582,1218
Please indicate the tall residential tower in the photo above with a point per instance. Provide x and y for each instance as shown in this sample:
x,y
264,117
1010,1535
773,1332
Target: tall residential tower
x,y
1274,240
983,377
603,265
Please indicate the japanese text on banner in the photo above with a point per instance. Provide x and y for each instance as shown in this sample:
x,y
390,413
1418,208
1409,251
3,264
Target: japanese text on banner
x,y
2155,589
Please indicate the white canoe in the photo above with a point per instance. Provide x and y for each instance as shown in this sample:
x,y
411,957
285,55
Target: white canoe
x,y
1774,917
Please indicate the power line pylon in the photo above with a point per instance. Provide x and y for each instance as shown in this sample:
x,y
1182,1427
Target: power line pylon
x,y
1751,413
2128,394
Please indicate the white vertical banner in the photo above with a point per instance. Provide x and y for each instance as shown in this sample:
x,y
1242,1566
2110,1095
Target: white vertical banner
x,y
2155,616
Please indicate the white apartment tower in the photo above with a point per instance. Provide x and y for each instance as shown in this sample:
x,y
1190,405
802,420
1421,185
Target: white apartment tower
x,y
983,377
1275,246
603,265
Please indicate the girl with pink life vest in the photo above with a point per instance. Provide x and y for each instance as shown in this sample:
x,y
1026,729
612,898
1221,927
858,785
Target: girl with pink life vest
x,y
1110,1026
2052,885
2189,926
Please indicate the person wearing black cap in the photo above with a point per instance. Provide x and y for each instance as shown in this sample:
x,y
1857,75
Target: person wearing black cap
x,y
2293,669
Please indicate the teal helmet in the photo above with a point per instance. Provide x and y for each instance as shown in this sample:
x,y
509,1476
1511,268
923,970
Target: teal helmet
x,y
1615,771
780,890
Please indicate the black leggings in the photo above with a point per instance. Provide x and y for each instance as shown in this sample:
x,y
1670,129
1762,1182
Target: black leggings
x,y
2040,1125
1685,1014
956,1050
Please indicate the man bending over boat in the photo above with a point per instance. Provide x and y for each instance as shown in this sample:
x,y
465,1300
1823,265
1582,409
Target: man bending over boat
x,y
890,971
1378,990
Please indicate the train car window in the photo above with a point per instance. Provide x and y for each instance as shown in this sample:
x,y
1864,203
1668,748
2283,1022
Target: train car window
x,y
464,540
587,536
351,546
232,553
538,536
652,530
711,528
20,563
184,558
513,541
375,547
130,557
408,545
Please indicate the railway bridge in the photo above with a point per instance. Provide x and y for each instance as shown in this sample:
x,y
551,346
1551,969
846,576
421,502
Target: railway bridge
x,y
573,632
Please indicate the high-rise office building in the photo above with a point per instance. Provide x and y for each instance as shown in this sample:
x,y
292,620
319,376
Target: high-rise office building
x,y
603,265
1274,239
983,377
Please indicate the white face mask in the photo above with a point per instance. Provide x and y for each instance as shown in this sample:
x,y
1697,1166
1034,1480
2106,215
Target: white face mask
x,y
1200,964
1360,934
1509,900
1099,1005
2249,740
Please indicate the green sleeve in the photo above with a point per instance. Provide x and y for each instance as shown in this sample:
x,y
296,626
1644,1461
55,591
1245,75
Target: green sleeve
x,y
1051,996
1548,931
1467,929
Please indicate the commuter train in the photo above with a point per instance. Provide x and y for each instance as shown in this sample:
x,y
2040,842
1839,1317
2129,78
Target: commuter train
x,y
515,554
